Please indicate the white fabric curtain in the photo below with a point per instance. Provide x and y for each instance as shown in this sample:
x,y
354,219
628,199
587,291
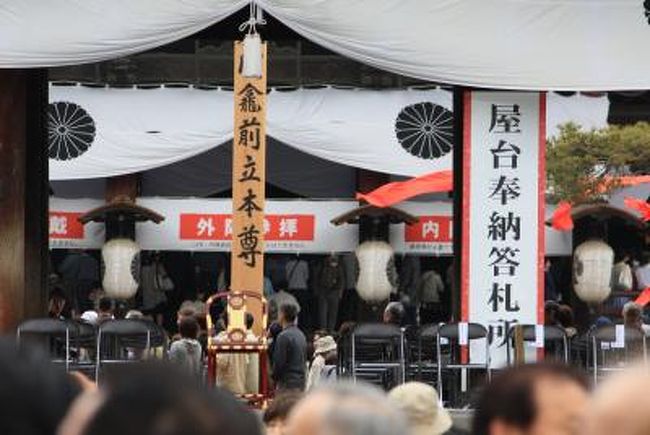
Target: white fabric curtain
x,y
506,44
101,132
37,33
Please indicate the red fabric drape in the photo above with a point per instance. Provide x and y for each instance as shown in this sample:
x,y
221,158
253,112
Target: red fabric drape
x,y
644,297
640,206
562,220
398,191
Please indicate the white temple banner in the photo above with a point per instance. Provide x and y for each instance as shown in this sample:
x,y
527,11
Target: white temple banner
x,y
294,226
206,225
101,132
502,275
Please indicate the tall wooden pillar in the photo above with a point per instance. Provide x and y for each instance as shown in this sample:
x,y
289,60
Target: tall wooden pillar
x,y
23,196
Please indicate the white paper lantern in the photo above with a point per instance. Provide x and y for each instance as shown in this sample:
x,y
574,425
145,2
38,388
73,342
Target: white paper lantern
x,y
121,264
592,271
375,282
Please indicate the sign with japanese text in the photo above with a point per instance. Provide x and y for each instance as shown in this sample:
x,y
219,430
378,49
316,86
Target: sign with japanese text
x,y
289,226
219,227
65,230
502,279
248,176
64,225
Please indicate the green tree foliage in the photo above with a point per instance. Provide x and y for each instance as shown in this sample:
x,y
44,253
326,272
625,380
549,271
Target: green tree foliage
x,y
582,166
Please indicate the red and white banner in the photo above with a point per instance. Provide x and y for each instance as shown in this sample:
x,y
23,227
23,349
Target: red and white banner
x,y
66,232
431,235
206,225
503,214
290,226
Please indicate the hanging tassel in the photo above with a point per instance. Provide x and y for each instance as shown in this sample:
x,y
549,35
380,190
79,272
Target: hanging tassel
x,y
252,50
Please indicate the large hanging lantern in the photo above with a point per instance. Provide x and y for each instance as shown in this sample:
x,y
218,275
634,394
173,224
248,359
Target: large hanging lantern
x,y
121,267
592,271
120,253
376,280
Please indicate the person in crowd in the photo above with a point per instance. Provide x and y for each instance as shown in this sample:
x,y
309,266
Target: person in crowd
x,y
297,279
280,297
253,365
533,399
34,395
238,372
429,297
551,292
154,283
642,273
330,282
104,310
394,313
620,404
550,313
268,287
134,314
276,415
566,320
186,352
57,304
633,317
622,280
346,409
289,352
80,274
154,399
323,366
421,405
120,310
90,317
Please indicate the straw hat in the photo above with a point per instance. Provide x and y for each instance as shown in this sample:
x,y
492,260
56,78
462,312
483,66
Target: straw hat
x,y
324,344
421,406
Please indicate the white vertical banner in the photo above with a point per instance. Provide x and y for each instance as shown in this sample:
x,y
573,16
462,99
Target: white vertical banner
x,y
503,214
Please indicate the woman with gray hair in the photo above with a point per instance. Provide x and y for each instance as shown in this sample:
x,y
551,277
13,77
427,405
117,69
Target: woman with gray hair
x,y
347,409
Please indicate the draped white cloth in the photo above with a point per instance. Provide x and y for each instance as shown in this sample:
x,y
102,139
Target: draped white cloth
x,y
37,33
134,130
505,44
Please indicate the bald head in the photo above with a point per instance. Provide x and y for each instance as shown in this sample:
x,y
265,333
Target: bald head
x,y
346,409
620,404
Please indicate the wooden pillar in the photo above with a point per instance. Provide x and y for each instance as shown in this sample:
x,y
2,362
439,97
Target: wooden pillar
x,y
123,187
23,196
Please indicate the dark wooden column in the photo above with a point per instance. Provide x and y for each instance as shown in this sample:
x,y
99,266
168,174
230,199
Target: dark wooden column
x,y
23,196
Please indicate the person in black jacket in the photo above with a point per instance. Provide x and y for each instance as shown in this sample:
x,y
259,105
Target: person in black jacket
x,y
289,351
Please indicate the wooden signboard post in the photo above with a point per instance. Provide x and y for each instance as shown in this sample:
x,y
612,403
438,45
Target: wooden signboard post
x,y
248,193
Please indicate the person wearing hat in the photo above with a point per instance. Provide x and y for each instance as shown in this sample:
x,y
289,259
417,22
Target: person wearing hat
x,y
421,405
324,355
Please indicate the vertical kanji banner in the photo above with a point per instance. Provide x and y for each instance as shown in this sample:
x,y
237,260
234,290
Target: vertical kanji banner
x,y
248,179
503,214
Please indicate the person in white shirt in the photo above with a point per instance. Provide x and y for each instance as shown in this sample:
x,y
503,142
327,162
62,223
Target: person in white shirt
x,y
642,273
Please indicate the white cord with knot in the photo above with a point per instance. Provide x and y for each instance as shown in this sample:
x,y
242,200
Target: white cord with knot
x,y
256,16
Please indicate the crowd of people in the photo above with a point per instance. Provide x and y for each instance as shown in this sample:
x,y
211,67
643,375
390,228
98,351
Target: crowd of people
x,y
39,398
